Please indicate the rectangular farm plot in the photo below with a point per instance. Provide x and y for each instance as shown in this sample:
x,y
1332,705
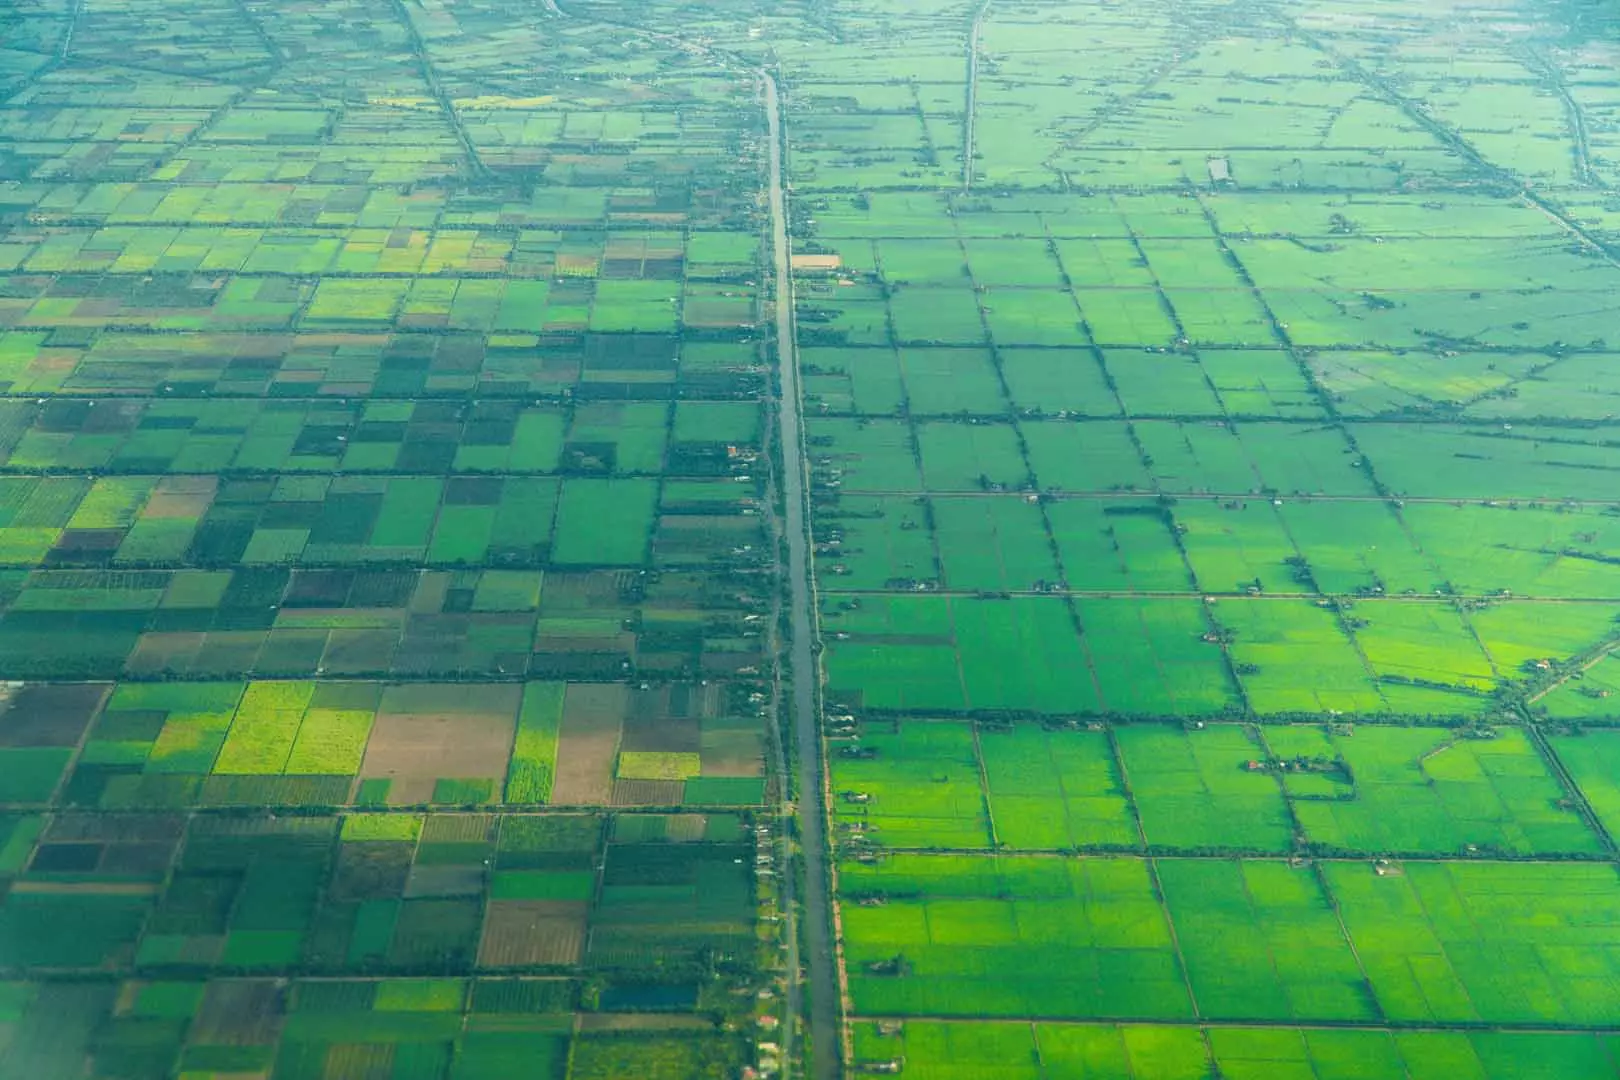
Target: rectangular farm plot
x,y
1260,383
1528,551
1359,548
1261,940
917,787
946,315
900,653
862,381
1057,381
1156,657
678,747
534,751
670,902
654,777
993,544
1125,316
588,743
1161,384
1293,656
965,1049
41,726
1591,756
882,543
1492,942
1426,790
732,768
958,456
1194,789
1452,462
440,743
341,303
1528,637
533,933
272,743
733,422
1234,547
973,935
943,382
644,307
1043,317
1196,457
1056,790
948,1049
153,744
619,437
266,725
1251,1054
163,530
1306,459
487,519
1023,654
932,261
243,893
1424,646
604,522
1026,263
870,455
1090,456
1117,544
1594,695
34,514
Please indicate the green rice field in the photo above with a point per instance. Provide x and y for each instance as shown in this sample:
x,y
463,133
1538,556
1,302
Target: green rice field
x,y
1209,436
1211,440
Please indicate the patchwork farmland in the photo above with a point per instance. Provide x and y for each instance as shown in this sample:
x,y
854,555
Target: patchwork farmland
x,y
1206,422
386,583
1210,427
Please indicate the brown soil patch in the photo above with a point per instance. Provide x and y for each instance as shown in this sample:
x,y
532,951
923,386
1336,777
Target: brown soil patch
x,y
588,744
526,933
49,715
648,792
437,739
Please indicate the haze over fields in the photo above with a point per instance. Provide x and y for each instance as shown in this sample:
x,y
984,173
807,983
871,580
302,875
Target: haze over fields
x,y
973,540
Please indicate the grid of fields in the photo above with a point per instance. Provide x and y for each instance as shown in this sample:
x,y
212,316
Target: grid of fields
x,y
1212,427
1211,414
385,572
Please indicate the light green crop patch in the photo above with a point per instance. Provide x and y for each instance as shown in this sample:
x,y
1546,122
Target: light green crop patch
x,y
330,742
262,737
420,995
404,828
652,765
534,753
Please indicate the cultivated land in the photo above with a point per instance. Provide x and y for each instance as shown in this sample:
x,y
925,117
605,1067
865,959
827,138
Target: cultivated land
x,y
1211,417
386,583
1209,478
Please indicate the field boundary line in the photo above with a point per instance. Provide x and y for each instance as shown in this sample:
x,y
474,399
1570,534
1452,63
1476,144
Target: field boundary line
x,y
969,119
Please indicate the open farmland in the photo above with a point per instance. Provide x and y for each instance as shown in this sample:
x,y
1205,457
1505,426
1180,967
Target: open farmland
x,y
1155,466
1210,423
385,567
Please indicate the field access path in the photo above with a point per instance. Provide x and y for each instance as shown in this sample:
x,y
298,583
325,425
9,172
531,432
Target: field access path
x,y
810,916
804,673
970,118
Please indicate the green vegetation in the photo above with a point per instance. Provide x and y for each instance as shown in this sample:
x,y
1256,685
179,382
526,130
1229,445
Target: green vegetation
x,y
380,525
1212,455
1210,434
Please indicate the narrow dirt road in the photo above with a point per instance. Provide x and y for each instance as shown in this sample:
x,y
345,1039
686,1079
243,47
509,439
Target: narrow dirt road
x,y
972,95
803,672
